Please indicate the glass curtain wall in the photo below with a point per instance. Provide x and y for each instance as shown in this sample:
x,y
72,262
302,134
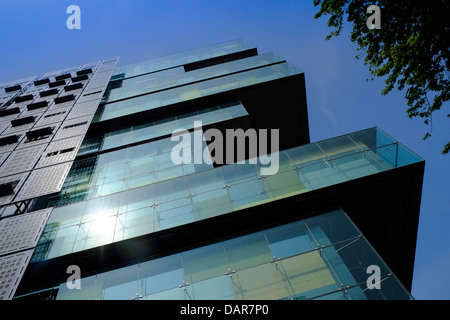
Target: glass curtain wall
x,y
324,257
184,196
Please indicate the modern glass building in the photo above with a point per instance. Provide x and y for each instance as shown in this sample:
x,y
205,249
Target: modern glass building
x,y
88,180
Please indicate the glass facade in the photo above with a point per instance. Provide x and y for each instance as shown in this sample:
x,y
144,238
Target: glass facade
x,y
138,190
196,90
175,77
114,179
182,58
307,259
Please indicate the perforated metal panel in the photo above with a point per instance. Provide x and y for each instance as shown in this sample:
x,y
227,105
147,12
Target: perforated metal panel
x,y
10,117
52,116
3,157
21,160
99,80
10,147
4,125
62,105
83,109
60,151
17,181
22,232
73,127
12,268
92,94
44,181
26,143
108,64
24,127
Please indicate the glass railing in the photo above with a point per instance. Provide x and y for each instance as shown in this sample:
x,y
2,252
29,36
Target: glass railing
x,y
183,58
212,192
176,77
195,90
163,126
301,260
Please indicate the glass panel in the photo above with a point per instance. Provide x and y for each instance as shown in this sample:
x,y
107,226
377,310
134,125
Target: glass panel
x,y
284,183
260,283
367,139
203,263
358,165
350,260
405,156
305,154
59,242
135,223
89,290
170,294
338,145
321,174
248,193
120,284
218,288
289,240
248,251
390,289
95,233
174,213
160,275
305,273
210,204
136,199
331,227
67,215
206,181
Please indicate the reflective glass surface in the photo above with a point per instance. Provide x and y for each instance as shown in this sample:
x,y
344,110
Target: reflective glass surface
x,y
302,260
196,90
179,59
138,190
166,79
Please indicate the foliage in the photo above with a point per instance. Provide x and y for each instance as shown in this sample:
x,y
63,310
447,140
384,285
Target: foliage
x,y
411,50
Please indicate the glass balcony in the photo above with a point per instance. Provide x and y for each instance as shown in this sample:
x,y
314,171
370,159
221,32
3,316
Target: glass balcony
x,y
167,79
199,89
180,59
296,261
127,211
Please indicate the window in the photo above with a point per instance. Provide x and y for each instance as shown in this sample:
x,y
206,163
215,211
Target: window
x,y
54,153
75,125
39,134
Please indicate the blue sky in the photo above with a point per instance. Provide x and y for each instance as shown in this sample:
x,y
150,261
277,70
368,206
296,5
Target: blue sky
x,y
35,40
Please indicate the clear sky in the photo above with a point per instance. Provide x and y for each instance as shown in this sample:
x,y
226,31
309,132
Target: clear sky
x,y
35,40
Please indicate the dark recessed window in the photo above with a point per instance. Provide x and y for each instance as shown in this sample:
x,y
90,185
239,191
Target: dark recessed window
x,y
54,153
62,99
8,140
73,87
54,114
80,78
48,93
13,88
41,82
10,111
38,134
24,98
22,121
57,83
8,188
37,105
63,76
83,72
75,125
